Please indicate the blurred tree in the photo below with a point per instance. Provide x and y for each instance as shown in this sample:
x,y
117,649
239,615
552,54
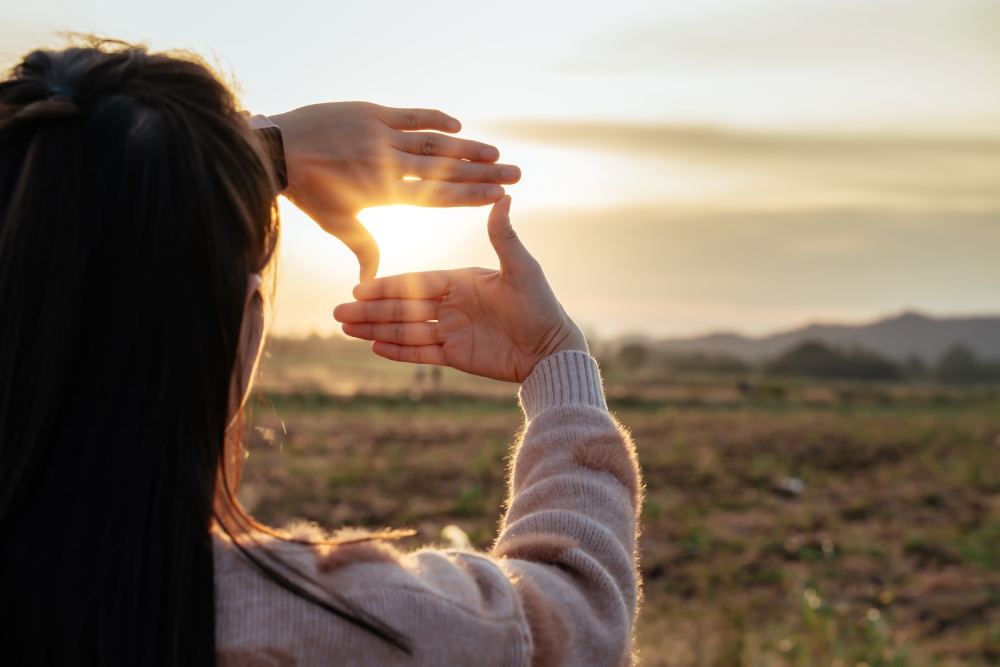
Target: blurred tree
x,y
960,365
633,355
915,368
708,363
815,359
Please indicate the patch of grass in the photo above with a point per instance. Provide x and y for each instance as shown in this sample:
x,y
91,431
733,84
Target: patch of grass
x,y
696,540
471,502
651,510
345,478
982,545
825,633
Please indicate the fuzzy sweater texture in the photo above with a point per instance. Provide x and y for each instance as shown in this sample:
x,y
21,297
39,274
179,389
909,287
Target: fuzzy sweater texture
x,y
559,587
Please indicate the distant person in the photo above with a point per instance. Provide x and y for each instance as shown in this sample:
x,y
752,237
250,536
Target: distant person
x,y
419,375
138,223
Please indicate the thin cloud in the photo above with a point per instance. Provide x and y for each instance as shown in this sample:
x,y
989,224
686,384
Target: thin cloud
x,y
915,171
792,33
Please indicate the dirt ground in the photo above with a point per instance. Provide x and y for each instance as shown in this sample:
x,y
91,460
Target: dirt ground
x,y
773,532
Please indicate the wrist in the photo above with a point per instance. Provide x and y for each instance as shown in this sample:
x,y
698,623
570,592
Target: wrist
x,y
295,136
570,339
566,378
271,136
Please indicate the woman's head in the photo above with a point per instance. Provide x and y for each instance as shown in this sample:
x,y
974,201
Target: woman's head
x,y
135,206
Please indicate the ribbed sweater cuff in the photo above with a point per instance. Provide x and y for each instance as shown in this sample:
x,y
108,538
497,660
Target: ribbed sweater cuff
x,y
564,378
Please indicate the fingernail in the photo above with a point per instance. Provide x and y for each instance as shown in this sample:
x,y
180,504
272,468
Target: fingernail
x,y
510,173
453,125
489,153
494,192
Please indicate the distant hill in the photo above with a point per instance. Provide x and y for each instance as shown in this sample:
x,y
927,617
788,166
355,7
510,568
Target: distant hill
x,y
896,337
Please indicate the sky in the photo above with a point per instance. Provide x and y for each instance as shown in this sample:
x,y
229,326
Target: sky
x,y
746,165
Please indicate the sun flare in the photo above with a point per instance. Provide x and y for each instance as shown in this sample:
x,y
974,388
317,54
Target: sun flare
x,y
421,239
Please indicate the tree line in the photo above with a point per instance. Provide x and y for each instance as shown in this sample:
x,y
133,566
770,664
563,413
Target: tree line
x,y
819,360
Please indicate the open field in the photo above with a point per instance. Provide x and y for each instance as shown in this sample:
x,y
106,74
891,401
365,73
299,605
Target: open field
x,y
859,527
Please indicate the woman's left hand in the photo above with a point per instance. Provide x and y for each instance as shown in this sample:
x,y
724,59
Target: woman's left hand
x,y
496,324
346,156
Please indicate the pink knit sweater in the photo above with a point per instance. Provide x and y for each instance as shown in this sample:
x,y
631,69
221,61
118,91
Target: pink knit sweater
x,y
559,587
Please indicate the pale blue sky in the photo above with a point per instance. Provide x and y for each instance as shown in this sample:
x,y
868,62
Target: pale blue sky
x,y
806,62
824,69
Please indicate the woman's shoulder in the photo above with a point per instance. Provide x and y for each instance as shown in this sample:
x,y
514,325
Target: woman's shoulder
x,y
303,550
451,605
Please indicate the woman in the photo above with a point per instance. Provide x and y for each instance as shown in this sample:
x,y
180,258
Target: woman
x,y
137,217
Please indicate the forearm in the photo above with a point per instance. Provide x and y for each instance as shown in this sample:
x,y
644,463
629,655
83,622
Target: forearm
x,y
568,539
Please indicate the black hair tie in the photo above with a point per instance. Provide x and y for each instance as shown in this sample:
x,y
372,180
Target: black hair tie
x,y
61,90
59,104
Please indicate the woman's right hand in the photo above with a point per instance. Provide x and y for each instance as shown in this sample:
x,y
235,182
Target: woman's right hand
x,y
497,324
347,156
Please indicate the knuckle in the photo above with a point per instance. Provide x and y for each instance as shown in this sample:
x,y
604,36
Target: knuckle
x,y
410,119
451,171
439,196
430,145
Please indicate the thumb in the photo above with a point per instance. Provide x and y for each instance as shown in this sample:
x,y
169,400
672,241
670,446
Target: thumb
x,y
511,252
364,247
368,258
359,240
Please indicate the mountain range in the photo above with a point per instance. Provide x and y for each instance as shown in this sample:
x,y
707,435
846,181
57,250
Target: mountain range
x,y
898,337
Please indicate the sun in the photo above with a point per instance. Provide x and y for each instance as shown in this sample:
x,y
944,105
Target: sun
x,y
411,238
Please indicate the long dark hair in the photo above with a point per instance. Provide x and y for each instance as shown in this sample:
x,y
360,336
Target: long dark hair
x,y
134,202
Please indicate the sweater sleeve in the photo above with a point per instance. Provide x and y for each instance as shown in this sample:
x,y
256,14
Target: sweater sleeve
x,y
568,539
558,588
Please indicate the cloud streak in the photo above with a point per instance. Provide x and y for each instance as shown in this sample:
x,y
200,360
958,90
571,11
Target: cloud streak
x,y
914,171
787,34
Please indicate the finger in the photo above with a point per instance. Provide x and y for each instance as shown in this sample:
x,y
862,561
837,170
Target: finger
x,y
390,310
423,354
460,171
511,252
442,195
425,285
410,333
364,247
353,234
418,119
429,143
